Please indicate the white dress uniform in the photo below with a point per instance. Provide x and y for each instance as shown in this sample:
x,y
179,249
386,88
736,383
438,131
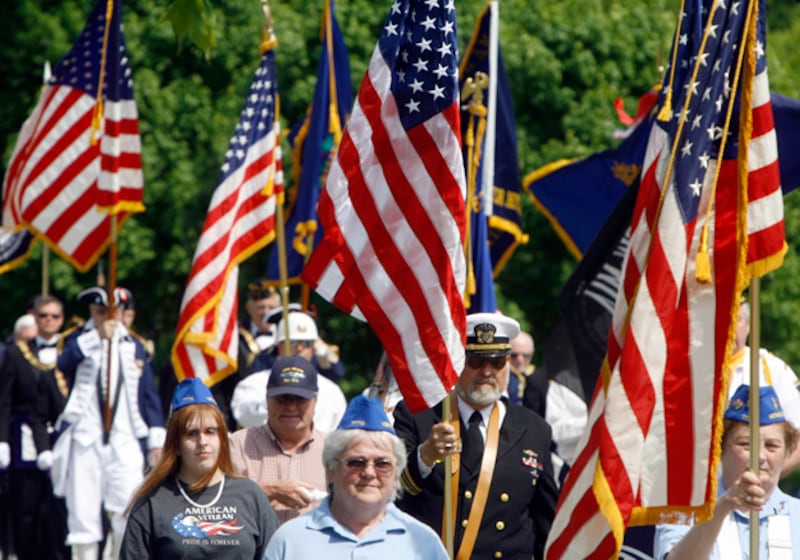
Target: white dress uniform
x,y
92,469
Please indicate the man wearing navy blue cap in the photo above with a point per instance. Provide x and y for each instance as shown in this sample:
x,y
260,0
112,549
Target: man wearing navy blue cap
x,y
726,535
503,481
284,456
104,428
363,459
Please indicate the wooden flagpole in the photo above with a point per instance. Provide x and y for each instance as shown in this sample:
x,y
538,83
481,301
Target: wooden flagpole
x,y
268,40
755,402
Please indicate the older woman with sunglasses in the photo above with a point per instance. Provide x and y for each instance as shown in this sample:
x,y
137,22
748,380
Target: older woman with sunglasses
x,y
194,504
363,460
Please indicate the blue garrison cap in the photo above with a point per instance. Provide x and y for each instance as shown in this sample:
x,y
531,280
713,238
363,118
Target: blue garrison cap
x,y
769,406
365,414
192,391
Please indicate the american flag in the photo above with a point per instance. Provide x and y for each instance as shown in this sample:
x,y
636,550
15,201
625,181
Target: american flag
x,y
240,221
648,454
393,207
77,159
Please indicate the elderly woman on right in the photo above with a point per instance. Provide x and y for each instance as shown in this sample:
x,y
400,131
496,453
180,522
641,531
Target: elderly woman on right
x,y
726,535
363,460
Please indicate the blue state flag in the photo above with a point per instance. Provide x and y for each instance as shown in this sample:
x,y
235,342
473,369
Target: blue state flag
x,y
577,196
314,142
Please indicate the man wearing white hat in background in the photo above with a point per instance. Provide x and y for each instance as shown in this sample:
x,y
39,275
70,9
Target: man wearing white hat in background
x,y
248,405
504,491
105,427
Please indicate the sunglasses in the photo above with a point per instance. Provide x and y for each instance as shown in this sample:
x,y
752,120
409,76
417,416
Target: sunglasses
x,y
477,362
515,355
381,466
50,315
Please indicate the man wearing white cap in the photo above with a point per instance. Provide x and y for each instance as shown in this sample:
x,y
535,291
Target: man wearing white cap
x,y
504,491
104,428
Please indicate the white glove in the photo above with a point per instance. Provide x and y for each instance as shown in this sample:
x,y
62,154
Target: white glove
x,y
5,455
326,355
44,460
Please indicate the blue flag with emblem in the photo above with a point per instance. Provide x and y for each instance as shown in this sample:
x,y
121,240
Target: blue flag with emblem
x,y
314,143
578,195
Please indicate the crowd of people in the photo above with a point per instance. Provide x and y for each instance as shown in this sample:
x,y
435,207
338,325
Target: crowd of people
x,y
100,459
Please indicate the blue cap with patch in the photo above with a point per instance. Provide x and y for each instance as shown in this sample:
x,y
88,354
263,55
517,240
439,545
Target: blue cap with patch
x,y
192,391
769,406
292,375
365,414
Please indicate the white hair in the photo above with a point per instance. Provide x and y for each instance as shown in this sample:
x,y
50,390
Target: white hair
x,y
337,441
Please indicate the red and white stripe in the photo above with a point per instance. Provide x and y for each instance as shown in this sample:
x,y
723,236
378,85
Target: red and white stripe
x,y
240,221
765,227
393,215
57,175
648,451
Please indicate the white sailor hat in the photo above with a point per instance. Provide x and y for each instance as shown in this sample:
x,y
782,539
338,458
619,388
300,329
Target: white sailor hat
x,y
490,334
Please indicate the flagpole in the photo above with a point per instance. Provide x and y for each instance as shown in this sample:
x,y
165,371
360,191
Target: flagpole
x,y
270,41
45,269
487,175
755,402
448,487
46,74
112,284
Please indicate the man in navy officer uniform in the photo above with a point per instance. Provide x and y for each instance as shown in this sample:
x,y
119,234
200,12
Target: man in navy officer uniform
x,y
504,490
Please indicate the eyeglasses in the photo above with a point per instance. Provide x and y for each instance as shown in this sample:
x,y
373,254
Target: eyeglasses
x,y
515,355
477,362
381,466
50,315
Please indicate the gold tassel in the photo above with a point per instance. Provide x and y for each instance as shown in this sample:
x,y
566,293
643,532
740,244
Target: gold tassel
x,y
703,262
666,109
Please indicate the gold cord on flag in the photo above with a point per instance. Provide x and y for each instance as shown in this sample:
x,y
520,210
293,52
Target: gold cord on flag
x,y
97,115
473,91
666,109
703,261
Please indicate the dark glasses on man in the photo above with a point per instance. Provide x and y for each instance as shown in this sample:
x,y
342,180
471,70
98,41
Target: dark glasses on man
x,y
477,362
381,466
50,315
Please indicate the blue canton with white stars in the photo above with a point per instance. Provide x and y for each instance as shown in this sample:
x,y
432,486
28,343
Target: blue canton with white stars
x,y
418,42
258,116
710,91
80,67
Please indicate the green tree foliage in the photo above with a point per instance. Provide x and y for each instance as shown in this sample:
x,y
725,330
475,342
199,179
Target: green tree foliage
x,y
566,60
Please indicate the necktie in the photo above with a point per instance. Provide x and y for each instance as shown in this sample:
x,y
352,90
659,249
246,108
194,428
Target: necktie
x,y
473,443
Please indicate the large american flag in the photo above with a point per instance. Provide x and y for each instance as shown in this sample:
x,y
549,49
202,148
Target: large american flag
x,y
240,221
77,159
648,454
393,207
